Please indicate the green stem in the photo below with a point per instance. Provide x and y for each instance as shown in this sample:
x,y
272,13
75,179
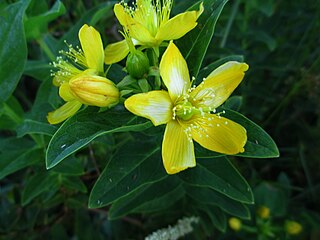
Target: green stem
x,y
107,70
229,24
46,49
306,170
10,113
248,229
38,139
153,57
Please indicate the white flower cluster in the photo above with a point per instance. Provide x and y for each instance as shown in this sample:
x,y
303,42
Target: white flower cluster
x,y
182,228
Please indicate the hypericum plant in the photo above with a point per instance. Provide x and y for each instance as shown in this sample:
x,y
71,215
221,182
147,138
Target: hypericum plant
x,y
184,102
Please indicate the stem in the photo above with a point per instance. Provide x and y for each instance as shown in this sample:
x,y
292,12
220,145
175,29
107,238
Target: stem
x,y
106,72
94,161
38,139
229,24
248,229
46,49
10,113
153,57
306,170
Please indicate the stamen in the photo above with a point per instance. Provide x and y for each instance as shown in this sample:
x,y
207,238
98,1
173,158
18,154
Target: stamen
x,y
65,68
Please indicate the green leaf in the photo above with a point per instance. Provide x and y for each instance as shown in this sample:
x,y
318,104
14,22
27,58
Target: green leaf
x,y
36,185
151,198
14,144
39,70
259,143
35,26
47,97
104,11
71,167
13,48
87,125
220,175
135,164
208,196
74,183
216,216
12,161
30,126
194,45
11,114
233,103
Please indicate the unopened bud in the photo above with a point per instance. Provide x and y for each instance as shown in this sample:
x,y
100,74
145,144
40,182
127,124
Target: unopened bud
x,y
94,90
263,212
137,64
235,224
293,227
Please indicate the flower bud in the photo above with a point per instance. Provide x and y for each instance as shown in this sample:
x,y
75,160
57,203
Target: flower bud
x,y
263,212
235,224
293,227
137,64
94,90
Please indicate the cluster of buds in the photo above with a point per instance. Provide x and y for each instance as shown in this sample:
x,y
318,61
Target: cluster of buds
x,y
264,227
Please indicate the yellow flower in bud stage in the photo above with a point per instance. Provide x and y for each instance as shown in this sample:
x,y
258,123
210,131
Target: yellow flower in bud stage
x,y
94,90
78,79
263,212
235,224
293,227
189,112
149,24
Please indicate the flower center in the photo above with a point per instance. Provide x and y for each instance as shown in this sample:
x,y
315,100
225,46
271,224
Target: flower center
x,y
150,14
184,110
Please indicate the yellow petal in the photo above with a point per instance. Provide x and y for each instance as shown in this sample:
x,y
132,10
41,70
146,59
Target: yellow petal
x,y
219,85
142,34
182,24
154,105
174,72
115,52
218,134
66,93
92,47
136,29
65,111
177,149
121,14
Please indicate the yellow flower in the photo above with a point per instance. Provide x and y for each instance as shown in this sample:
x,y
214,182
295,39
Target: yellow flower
x,y
189,112
79,81
149,24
